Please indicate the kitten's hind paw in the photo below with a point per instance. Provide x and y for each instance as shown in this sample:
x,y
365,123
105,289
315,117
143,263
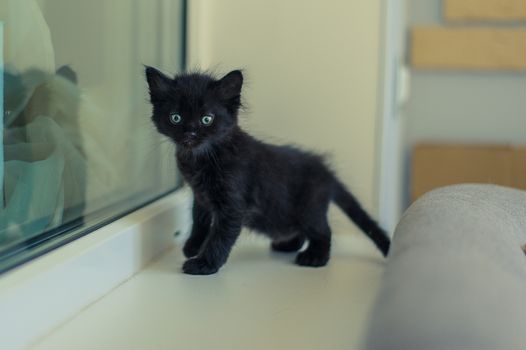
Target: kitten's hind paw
x,y
199,266
312,259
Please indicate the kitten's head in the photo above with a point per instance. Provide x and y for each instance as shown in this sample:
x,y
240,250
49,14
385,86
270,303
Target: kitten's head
x,y
194,109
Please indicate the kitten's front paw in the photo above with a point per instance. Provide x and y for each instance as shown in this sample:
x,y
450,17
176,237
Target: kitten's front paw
x,y
191,249
199,266
309,258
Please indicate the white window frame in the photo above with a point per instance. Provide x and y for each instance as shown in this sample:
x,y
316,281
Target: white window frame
x,y
42,294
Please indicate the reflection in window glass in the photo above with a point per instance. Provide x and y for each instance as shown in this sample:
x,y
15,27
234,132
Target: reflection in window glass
x,y
77,146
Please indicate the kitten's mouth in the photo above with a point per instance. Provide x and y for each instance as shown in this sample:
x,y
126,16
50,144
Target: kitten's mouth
x,y
189,142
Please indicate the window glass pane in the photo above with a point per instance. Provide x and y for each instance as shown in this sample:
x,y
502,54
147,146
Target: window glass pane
x,y
77,145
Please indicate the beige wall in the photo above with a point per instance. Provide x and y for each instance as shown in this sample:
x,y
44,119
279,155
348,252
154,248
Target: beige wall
x,y
312,74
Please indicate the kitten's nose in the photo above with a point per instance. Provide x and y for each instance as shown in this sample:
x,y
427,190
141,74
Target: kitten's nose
x,y
190,134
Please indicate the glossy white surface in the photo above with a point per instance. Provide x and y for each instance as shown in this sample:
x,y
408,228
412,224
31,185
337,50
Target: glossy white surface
x,y
259,300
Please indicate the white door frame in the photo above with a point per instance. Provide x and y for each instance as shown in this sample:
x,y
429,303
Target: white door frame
x,y
393,92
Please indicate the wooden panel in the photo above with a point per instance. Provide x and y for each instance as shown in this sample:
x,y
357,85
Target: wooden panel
x,y
486,10
518,179
469,48
435,166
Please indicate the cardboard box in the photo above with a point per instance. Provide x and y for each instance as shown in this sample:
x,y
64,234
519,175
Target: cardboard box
x,y
437,165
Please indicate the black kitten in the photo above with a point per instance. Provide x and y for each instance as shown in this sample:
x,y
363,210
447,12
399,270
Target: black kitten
x,y
239,181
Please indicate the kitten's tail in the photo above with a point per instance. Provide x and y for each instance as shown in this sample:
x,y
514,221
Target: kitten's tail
x,y
350,205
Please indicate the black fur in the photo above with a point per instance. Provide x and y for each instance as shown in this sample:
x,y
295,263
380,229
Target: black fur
x,y
239,181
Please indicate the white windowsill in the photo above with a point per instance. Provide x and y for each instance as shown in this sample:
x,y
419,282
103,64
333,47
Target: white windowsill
x,y
258,300
44,293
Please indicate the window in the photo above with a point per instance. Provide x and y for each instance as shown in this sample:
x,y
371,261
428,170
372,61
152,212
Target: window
x,y
77,145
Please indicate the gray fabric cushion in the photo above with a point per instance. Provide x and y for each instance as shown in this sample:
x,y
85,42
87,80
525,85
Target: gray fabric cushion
x,y
456,274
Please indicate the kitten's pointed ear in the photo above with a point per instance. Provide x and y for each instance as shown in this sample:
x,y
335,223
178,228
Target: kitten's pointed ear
x,y
230,85
158,83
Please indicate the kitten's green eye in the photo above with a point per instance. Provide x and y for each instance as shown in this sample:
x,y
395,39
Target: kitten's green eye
x,y
207,119
175,118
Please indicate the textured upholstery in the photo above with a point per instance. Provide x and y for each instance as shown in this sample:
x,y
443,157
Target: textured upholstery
x,y
456,274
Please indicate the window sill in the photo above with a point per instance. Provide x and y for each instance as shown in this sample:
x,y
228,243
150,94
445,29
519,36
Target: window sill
x,y
258,300
42,294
